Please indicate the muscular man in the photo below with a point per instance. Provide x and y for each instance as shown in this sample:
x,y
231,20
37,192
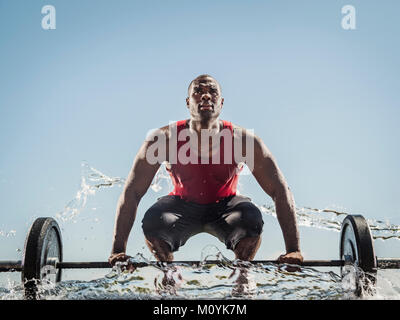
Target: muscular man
x,y
204,198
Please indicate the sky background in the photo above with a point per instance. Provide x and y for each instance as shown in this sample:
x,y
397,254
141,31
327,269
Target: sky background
x,y
325,101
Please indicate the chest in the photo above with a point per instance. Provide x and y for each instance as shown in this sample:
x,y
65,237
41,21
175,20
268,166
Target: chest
x,y
203,173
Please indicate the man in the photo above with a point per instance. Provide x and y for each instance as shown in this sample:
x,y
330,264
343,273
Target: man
x,y
204,197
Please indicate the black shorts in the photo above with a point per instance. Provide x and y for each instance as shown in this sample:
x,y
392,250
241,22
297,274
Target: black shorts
x,y
175,220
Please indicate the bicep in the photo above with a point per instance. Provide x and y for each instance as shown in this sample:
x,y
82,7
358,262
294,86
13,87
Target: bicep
x,y
141,174
266,170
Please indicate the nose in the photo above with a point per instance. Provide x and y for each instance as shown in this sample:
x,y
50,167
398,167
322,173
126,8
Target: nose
x,y
206,97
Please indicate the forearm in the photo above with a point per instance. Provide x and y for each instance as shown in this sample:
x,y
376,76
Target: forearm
x,y
286,214
125,217
271,179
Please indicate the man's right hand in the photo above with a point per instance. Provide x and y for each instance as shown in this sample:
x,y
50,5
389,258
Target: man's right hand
x,y
121,257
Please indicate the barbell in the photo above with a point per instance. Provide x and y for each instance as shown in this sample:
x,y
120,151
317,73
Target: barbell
x,y
42,260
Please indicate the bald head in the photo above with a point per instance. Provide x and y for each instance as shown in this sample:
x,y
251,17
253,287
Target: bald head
x,y
203,78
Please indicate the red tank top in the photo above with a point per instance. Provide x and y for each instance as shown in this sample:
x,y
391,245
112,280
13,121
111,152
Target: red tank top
x,y
200,182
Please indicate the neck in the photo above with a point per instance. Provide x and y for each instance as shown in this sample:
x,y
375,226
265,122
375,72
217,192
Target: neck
x,y
210,124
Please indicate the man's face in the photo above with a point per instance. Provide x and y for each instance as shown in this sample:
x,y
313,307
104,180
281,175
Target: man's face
x,y
205,100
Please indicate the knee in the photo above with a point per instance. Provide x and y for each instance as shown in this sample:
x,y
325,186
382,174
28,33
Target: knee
x,y
155,219
251,218
152,220
160,248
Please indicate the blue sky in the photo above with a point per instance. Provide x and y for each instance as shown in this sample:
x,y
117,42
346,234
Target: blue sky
x,y
324,100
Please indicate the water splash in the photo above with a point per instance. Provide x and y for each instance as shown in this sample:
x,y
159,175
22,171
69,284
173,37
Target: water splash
x,y
205,281
211,252
91,181
329,219
8,234
208,281
162,180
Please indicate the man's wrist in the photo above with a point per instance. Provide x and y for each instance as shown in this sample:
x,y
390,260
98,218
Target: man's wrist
x,y
118,247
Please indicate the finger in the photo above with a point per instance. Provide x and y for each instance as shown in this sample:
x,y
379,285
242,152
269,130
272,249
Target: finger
x,y
114,260
292,269
131,267
284,259
294,261
120,257
290,260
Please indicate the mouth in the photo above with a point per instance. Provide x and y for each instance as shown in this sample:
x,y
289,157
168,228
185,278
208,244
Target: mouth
x,y
206,107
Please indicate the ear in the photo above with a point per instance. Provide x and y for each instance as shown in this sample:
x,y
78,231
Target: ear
x,y
187,102
222,102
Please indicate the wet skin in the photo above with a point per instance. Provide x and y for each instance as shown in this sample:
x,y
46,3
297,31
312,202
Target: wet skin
x,y
205,103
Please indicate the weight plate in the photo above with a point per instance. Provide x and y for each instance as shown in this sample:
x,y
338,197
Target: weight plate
x,y
356,248
43,249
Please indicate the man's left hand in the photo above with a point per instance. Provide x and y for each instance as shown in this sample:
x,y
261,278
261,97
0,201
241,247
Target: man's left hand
x,y
291,258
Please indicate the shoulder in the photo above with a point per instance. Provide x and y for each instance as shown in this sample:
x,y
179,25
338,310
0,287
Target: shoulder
x,y
245,133
251,142
161,133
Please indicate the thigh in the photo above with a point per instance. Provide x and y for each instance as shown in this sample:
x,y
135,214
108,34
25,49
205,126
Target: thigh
x,y
169,220
240,219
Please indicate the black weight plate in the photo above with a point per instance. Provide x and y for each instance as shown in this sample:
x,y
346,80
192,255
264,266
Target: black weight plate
x,y
43,248
356,247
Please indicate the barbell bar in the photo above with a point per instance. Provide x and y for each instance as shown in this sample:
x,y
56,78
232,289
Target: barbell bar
x,y
43,259
11,266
